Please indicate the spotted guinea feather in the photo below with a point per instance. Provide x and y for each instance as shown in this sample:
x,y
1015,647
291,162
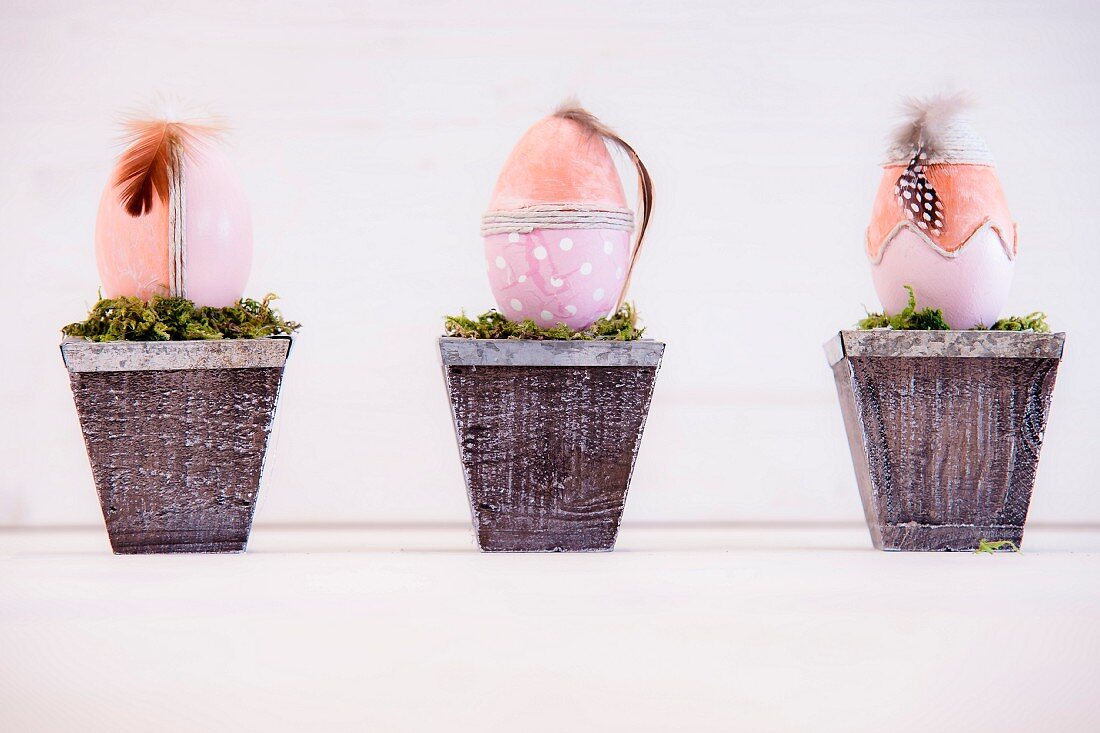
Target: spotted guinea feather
x,y
918,198
152,147
572,111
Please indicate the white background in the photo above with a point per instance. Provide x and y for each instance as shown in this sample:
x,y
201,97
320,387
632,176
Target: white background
x,y
369,135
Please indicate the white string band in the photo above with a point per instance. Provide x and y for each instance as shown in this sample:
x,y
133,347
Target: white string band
x,y
555,216
177,205
957,143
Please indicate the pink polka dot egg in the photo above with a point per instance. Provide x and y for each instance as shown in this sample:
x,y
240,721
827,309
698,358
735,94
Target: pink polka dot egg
x,y
570,276
558,231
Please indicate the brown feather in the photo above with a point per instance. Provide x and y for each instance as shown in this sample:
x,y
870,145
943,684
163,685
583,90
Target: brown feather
x,y
573,111
153,147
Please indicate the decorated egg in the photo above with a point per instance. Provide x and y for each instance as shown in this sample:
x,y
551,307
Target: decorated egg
x,y
558,230
173,220
940,222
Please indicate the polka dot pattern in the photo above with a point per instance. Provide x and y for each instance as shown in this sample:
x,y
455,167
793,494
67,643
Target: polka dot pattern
x,y
570,276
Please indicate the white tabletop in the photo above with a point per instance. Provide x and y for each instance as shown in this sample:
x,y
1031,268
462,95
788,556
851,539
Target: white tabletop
x,y
691,627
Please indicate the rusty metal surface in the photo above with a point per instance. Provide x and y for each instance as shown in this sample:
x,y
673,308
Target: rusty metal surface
x,y
945,449
547,452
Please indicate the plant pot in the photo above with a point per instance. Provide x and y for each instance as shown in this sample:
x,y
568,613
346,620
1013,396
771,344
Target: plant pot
x,y
176,433
945,429
547,434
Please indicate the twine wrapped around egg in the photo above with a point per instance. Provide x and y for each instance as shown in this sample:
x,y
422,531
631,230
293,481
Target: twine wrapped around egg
x,y
555,216
938,128
173,220
557,232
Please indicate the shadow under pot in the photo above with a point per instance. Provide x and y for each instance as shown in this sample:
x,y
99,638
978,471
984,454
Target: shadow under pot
x,y
548,432
945,429
176,433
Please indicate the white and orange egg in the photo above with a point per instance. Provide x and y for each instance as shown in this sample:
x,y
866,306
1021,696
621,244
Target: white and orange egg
x,y
940,222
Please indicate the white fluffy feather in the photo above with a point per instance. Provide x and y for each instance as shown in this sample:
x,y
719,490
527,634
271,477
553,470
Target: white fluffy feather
x,y
927,120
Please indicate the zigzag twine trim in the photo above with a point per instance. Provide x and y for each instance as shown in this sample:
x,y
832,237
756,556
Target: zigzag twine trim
x,y
1009,248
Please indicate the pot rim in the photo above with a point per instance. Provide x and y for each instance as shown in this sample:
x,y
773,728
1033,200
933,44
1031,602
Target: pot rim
x,y
456,351
81,355
961,344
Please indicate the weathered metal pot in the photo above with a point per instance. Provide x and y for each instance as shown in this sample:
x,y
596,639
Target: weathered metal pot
x,y
945,429
548,432
176,434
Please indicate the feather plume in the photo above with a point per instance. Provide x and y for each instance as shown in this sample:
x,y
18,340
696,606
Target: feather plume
x,y
926,120
571,110
153,146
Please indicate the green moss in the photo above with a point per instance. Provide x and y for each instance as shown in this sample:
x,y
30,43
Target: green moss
x,y
931,319
1036,322
985,545
910,319
493,325
178,319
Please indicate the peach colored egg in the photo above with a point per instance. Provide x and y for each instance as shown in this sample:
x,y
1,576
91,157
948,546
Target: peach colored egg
x,y
132,252
557,160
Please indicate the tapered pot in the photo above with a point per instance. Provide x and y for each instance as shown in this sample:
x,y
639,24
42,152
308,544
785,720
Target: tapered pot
x,y
945,429
176,434
548,432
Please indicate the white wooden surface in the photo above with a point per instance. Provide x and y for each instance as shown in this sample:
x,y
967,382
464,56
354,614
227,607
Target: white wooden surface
x,y
408,628
369,134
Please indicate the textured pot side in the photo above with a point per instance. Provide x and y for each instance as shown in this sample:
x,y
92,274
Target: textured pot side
x,y
945,429
548,432
176,434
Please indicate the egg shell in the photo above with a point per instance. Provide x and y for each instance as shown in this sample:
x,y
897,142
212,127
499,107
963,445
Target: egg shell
x,y
558,161
971,195
966,271
970,288
219,230
551,276
570,276
132,252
